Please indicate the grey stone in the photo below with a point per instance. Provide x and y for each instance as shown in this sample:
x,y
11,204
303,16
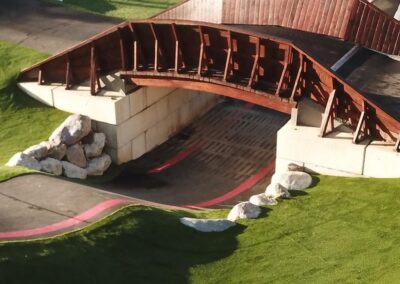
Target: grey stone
x,y
38,151
294,180
262,199
72,171
244,210
76,156
97,166
95,148
207,225
275,190
72,130
52,166
23,160
57,151
292,167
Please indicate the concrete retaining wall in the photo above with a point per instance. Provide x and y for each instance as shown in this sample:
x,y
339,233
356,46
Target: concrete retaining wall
x,y
155,115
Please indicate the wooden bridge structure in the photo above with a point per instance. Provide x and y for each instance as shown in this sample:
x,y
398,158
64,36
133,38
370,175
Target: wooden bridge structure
x,y
221,59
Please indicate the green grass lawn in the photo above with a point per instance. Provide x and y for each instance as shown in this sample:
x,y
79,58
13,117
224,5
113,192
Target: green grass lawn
x,y
344,230
24,121
124,9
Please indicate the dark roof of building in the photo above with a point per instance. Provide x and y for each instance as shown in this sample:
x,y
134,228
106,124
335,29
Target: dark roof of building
x,y
326,50
377,76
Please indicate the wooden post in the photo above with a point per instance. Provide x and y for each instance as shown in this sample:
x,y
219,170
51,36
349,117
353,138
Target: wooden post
x,y
137,49
361,122
92,71
201,55
255,64
228,56
278,90
327,114
135,56
397,145
297,77
40,76
178,52
122,50
68,74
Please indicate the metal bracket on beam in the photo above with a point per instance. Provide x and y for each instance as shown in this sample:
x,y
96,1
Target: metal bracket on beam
x,y
327,117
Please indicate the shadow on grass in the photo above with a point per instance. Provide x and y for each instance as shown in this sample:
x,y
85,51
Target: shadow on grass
x,y
136,245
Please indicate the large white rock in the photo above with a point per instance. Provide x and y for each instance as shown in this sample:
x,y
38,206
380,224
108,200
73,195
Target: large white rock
x,y
293,180
73,129
52,166
72,171
262,199
207,225
38,151
76,156
57,151
95,148
23,160
244,210
97,166
275,190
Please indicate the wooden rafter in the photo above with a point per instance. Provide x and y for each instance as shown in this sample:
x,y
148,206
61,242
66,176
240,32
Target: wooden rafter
x,y
298,77
255,64
360,125
228,61
179,61
328,114
122,49
138,53
202,53
156,47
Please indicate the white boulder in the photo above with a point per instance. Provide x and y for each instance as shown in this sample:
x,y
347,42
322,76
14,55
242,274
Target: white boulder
x,y
76,156
207,225
52,166
275,190
57,151
293,180
23,160
72,171
262,199
244,210
95,148
38,151
98,166
73,129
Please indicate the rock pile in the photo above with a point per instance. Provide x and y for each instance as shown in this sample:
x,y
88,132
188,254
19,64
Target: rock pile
x,y
281,183
72,150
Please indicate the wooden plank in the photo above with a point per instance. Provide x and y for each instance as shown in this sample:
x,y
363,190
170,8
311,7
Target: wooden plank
x,y
122,50
92,71
228,56
278,90
298,76
360,124
40,76
397,145
68,74
255,64
327,114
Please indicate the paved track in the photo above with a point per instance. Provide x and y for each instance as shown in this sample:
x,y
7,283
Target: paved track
x,y
47,27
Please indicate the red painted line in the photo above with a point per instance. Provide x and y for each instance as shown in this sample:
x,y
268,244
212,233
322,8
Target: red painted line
x,y
181,156
85,216
241,188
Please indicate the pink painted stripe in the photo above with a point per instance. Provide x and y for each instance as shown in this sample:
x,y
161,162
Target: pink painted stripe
x,y
181,156
85,216
241,188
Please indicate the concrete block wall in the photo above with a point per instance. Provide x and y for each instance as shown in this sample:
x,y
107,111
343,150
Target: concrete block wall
x,y
334,154
155,115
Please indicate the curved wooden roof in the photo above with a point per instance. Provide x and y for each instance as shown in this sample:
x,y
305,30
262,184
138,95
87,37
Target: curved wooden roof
x,y
222,59
357,21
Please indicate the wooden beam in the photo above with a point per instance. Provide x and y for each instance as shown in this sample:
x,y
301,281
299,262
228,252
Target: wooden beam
x,y
278,90
137,49
92,71
178,52
296,83
201,55
361,122
255,64
40,76
397,145
68,74
327,114
122,49
156,46
228,56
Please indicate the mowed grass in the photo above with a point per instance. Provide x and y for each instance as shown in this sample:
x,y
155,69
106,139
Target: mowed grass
x,y
124,9
24,121
344,230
